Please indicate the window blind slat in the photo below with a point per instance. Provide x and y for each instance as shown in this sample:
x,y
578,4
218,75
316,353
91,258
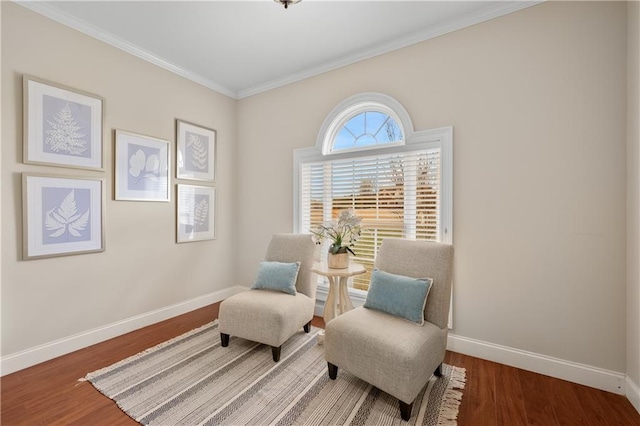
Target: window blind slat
x,y
396,195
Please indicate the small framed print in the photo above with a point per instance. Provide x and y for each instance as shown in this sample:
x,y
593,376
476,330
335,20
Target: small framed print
x,y
62,215
195,152
142,167
62,126
195,218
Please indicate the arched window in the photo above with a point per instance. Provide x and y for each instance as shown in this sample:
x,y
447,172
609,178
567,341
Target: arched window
x,y
365,121
368,128
369,159
366,124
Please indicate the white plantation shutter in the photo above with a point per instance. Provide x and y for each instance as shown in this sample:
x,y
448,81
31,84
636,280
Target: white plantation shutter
x,y
369,158
396,194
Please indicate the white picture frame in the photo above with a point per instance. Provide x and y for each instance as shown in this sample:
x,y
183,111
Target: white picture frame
x,y
142,168
61,126
195,152
195,213
62,215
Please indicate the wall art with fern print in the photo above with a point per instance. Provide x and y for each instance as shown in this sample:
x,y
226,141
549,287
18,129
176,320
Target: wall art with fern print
x,y
195,152
62,126
195,218
142,167
62,215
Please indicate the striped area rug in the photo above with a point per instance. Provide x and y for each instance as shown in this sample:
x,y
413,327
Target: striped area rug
x,y
192,380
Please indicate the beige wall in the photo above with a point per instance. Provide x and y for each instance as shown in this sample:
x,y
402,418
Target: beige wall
x,y
0,175
142,269
633,194
537,100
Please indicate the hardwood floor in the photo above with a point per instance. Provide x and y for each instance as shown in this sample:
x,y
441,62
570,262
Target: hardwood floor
x,y
495,394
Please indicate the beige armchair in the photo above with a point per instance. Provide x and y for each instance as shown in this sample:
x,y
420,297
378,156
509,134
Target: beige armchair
x,y
271,317
389,352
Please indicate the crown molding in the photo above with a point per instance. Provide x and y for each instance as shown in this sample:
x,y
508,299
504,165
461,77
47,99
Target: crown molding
x,y
468,20
483,15
99,34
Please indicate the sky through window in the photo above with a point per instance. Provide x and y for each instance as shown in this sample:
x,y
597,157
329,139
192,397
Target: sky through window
x,y
366,129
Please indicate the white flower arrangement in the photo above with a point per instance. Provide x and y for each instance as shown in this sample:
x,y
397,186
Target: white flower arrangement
x,y
342,233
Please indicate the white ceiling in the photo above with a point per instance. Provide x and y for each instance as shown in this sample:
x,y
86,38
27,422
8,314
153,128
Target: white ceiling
x,y
241,48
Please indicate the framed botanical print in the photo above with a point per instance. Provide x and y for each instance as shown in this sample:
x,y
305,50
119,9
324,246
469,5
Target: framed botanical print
x,y
195,152
195,218
62,215
62,126
142,167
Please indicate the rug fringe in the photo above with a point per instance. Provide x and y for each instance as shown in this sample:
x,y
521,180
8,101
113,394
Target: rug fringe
x,y
180,393
89,376
458,378
448,414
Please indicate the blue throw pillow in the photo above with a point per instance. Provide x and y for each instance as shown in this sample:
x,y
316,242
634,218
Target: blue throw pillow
x,y
277,276
401,296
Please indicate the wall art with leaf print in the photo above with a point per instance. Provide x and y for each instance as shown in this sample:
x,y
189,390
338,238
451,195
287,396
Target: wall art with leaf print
x,y
62,215
62,126
142,167
195,152
195,217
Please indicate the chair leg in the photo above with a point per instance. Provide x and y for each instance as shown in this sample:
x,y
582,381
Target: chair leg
x,y
275,351
333,371
224,340
307,327
438,371
405,410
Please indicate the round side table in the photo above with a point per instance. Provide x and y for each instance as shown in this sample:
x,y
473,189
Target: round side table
x,y
338,301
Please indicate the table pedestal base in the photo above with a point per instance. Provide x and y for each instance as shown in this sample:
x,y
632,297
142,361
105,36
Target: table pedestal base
x,y
338,301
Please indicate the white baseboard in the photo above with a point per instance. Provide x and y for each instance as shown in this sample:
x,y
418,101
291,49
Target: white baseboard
x,y
32,356
321,298
633,394
599,378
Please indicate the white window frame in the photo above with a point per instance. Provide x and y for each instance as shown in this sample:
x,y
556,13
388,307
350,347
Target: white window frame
x,y
441,138
346,110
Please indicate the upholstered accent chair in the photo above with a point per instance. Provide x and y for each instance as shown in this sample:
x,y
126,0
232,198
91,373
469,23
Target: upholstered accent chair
x,y
391,353
271,317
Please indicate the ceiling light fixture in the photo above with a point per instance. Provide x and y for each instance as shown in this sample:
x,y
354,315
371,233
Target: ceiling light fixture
x,y
286,3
